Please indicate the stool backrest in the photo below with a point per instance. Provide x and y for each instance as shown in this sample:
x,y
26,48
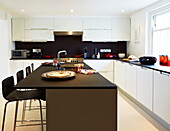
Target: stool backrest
x,y
32,66
20,75
28,70
7,86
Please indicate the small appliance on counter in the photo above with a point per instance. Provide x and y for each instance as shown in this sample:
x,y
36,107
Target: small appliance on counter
x,y
148,60
20,53
107,54
36,53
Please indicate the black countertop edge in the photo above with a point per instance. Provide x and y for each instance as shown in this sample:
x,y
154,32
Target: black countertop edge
x,y
156,67
52,59
111,87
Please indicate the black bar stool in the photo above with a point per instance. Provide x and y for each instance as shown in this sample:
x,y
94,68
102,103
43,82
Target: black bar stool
x,y
11,95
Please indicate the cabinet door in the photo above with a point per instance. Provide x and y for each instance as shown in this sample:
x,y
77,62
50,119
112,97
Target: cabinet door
x,y
97,35
121,29
107,74
17,29
39,35
161,96
100,65
130,79
39,24
97,23
145,86
68,24
119,74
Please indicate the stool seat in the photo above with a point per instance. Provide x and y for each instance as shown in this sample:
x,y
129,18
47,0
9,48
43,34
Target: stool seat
x,y
26,95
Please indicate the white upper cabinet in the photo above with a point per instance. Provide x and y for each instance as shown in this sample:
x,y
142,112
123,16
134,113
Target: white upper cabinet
x,y
97,23
97,35
18,29
68,24
39,24
39,35
121,29
37,30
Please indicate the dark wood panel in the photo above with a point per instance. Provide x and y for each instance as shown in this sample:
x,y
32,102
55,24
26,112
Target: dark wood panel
x,y
82,110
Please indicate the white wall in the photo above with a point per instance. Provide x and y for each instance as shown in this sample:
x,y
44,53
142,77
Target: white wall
x,y
139,21
5,48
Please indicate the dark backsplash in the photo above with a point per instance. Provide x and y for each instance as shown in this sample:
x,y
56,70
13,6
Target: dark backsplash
x,y
73,45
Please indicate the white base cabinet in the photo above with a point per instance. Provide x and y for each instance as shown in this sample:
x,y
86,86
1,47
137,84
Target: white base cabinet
x,y
104,67
17,65
145,86
161,97
130,79
119,74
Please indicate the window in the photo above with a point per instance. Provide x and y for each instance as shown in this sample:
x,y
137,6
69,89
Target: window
x,y
161,34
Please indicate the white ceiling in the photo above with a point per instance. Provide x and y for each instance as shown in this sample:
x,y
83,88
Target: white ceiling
x,y
80,7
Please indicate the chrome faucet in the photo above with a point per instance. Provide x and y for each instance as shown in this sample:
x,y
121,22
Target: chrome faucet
x,y
58,56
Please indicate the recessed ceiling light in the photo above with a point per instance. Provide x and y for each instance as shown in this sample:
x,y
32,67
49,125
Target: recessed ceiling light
x,y
71,10
22,10
122,10
70,33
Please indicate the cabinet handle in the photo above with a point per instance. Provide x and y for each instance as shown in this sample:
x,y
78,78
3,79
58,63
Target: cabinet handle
x,y
40,40
103,71
131,64
39,28
144,68
164,73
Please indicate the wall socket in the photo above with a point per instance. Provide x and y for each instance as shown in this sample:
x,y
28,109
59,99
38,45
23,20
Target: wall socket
x,y
105,50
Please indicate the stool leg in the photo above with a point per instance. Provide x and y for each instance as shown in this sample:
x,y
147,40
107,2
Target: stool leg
x,y
3,123
41,115
23,110
16,111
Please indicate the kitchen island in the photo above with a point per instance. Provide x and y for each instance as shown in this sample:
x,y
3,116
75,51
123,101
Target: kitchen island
x,y
83,103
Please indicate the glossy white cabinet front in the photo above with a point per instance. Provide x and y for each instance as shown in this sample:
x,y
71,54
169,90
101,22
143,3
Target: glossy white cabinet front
x,y
130,79
119,74
161,97
104,67
145,86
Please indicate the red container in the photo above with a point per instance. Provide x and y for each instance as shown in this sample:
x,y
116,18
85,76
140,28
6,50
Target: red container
x,y
163,60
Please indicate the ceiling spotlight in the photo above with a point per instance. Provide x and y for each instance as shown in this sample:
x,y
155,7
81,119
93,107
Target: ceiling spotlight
x,y
71,10
22,10
70,33
122,10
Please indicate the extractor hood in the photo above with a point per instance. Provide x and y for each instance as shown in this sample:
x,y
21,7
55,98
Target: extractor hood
x,y
65,33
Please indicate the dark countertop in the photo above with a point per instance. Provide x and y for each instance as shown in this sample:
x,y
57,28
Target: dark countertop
x,y
81,81
156,66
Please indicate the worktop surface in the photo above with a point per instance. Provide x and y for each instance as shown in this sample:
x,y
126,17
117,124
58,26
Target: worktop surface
x,y
81,81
